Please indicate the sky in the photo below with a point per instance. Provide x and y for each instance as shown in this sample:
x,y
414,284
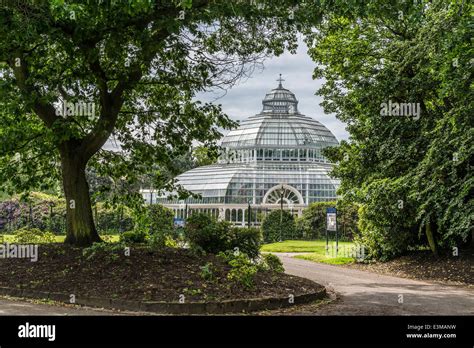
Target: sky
x,y
245,99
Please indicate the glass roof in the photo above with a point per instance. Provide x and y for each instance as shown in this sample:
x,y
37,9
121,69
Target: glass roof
x,y
279,125
237,183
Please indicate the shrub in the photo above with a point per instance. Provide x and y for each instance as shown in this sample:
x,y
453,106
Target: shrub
x,y
48,213
33,236
278,224
272,263
33,212
204,232
112,220
208,271
214,236
247,240
313,222
133,237
161,219
312,225
161,227
99,248
242,270
386,227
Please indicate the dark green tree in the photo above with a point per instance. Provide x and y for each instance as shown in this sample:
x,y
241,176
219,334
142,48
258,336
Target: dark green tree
x,y
75,72
413,175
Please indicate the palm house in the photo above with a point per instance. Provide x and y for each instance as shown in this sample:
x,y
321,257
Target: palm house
x,y
273,160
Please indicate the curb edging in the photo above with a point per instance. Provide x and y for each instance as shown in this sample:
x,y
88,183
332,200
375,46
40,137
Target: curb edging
x,y
223,307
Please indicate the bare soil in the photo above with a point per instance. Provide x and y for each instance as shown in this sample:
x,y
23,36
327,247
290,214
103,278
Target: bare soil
x,y
144,275
423,265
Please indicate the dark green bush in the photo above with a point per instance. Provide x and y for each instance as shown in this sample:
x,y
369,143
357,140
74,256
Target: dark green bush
x,y
133,237
215,236
112,220
247,240
278,224
272,263
161,227
312,225
386,218
161,219
207,233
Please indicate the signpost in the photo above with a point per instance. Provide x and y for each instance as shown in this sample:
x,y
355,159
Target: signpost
x,y
331,225
178,222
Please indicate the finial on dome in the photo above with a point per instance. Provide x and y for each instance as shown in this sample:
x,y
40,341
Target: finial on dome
x,y
279,82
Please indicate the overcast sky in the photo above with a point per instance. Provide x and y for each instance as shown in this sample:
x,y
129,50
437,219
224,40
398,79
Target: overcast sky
x,y
245,99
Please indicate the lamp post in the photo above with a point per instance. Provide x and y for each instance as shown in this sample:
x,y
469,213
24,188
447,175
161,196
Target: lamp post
x,y
51,204
248,215
281,211
290,206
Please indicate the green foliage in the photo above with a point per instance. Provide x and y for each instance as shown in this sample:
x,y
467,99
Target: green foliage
x,y
209,234
161,219
242,270
312,224
133,237
208,272
386,220
278,226
110,249
115,55
48,213
205,156
247,241
32,236
404,52
272,262
112,220
214,236
38,210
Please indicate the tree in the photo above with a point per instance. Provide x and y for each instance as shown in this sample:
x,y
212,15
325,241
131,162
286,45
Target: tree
x,y
413,175
205,156
75,72
278,225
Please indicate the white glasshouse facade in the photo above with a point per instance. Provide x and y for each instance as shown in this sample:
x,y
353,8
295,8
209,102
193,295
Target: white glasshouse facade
x,y
273,160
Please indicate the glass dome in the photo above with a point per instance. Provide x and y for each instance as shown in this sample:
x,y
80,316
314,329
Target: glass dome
x,y
271,157
279,125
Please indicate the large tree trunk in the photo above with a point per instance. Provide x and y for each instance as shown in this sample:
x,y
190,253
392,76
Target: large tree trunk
x,y
79,221
431,238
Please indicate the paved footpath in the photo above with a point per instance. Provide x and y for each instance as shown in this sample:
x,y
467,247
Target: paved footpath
x,y
367,293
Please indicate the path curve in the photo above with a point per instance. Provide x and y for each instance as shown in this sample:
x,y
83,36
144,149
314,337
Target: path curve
x,y
367,293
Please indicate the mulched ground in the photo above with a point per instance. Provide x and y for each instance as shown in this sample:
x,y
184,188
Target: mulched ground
x,y
144,275
422,265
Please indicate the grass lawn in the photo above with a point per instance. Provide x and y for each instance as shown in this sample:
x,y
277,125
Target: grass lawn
x,y
60,239
316,250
